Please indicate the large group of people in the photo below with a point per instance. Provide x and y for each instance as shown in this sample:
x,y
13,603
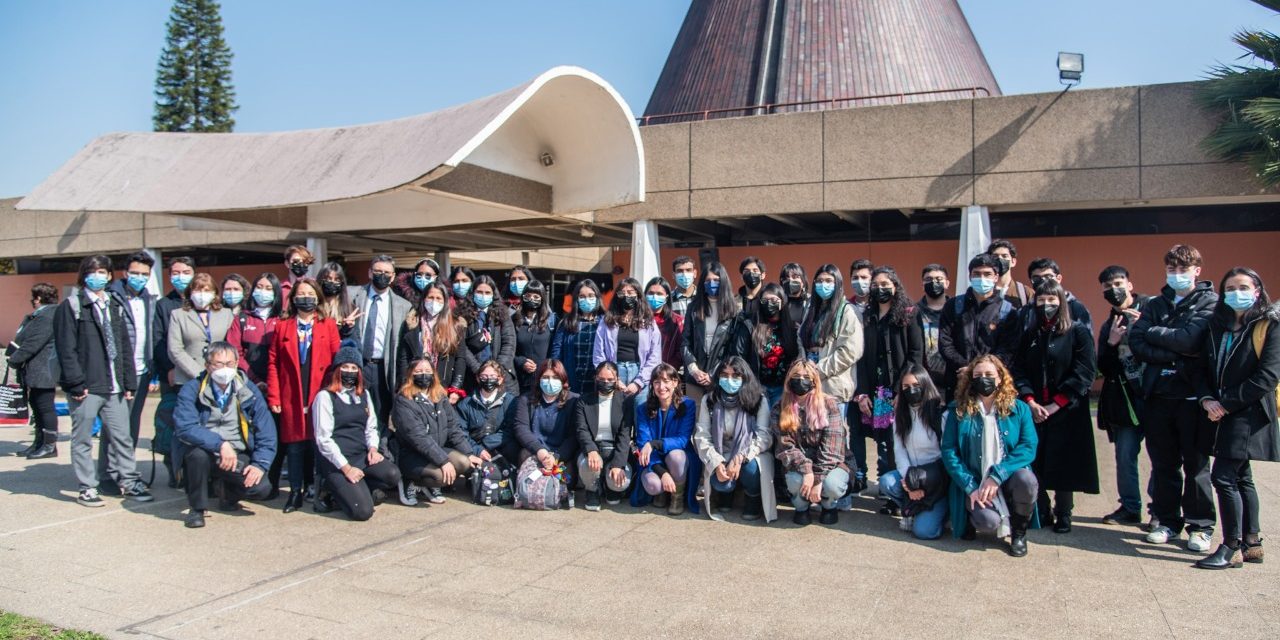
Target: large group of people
x,y
685,394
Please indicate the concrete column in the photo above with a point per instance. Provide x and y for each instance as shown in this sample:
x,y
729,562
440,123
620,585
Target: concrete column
x,y
975,237
158,273
319,247
644,251
442,258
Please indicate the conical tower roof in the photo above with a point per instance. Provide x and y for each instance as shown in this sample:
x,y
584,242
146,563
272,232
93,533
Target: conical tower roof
x,y
732,55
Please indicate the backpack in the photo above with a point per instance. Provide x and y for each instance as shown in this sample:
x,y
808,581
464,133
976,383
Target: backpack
x,y
1259,336
492,482
539,490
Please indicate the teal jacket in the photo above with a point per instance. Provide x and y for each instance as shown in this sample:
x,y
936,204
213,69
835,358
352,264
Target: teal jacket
x,y
962,456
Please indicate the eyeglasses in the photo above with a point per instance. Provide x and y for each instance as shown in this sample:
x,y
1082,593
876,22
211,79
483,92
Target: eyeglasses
x,y
534,299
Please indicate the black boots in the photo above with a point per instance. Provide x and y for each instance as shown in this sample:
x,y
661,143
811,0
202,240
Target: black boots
x,y
802,518
37,439
1224,558
829,516
1018,536
752,508
48,447
1062,523
295,500
723,500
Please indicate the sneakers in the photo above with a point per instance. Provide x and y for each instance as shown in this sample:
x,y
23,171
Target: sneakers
x,y
1122,516
890,508
138,493
408,493
434,496
1199,541
1160,534
752,509
90,498
612,497
907,523
593,501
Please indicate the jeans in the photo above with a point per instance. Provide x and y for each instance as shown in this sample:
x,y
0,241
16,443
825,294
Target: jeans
x,y
677,463
1182,491
926,525
301,457
774,394
627,373
834,485
748,477
1237,499
1128,445
114,412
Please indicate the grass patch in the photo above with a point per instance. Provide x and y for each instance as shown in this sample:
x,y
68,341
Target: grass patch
x,y
16,627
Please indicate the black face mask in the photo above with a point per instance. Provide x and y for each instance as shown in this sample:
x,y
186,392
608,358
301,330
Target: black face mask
x,y
881,295
605,387
772,307
298,269
913,394
488,384
349,378
380,281
423,380
751,279
934,289
1048,310
795,288
629,302
330,288
304,303
800,386
1116,295
1005,265
985,386
529,305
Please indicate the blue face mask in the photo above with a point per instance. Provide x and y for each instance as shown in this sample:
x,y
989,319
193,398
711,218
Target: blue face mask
x,y
712,287
550,386
483,300
1180,281
824,289
1240,300
982,286
96,281
655,301
264,297
138,283
684,279
180,282
731,386
461,289
421,282
517,287
586,305
232,298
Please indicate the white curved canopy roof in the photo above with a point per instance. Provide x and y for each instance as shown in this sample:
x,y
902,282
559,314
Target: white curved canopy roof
x,y
479,162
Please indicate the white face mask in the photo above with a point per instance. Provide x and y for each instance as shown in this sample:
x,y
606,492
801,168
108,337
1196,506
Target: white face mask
x,y
433,308
223,376
202,299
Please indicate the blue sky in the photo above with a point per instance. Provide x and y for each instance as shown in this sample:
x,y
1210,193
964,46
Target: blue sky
x,y
71,70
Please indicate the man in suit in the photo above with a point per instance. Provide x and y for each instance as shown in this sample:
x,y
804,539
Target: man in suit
x,y
139,306
377,331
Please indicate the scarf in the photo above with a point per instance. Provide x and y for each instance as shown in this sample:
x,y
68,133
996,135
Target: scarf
x,y
742,431
992,454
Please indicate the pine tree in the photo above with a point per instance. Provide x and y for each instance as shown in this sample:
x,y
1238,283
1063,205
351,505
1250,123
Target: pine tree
x,y
193,80
1248,98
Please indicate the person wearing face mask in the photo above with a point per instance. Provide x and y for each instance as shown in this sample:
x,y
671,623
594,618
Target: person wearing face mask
x,y
772,343
1120,401
354,472
140,305
335,298
434,333
918,484
936,283
224,432
382,313
832,337
978,322
605,427
32,355
435,451
489,333
1236,386
517,281
489,414
1042,271
461,282
629,338
96,362
860,273
657,294
710,330
544,423
685,276
235,290
181,272
574,340
201,321
251,334
795,284
752,271
1167,339
425,273
534,326
988,444
1006,255
809,441
734,442
304,346
1053,367
297,260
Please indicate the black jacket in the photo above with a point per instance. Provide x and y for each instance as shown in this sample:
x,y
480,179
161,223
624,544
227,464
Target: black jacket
x,y
34,357
1245,385
502,346
82,348
531,344
727,341
905,345
1027,317
744,344
936,366
970,328
622,416
426,432
164,308
1168,339
449,369
119,288
1119,402
1061,363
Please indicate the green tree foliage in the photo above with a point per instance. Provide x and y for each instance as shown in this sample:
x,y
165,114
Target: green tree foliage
x,y
1247,96
193,80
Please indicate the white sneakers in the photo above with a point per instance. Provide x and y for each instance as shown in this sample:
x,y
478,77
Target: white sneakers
x,y
1159,535
906,523
1198,541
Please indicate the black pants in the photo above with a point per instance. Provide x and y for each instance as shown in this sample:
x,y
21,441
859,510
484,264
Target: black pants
x,y
375,380
1237,498
302,463
201,464
46,417
1063,503
356,498
273,474
1182,492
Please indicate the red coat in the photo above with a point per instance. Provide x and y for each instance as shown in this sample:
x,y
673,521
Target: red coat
x,y
284,374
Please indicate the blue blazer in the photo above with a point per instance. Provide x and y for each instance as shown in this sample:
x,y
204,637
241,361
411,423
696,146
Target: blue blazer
x,y
674,433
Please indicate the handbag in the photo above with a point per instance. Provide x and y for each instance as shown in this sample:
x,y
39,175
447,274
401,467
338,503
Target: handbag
x,y
539,489
493,482
932,479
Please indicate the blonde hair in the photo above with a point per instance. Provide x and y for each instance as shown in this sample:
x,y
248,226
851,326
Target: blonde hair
x,y
815,404
967,402
410,390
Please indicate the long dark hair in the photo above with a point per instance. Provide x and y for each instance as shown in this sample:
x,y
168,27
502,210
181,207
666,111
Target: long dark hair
x,y
574,316
652,405
749,395
727,306
930,406
900,305
338,306
658,281
823,314
1224,315
763,330
617,315
467,307
543,313
471,275
277,304
1061,324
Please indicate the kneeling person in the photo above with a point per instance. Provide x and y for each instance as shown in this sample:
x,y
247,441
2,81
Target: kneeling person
x,y
434,451
225,431
605,425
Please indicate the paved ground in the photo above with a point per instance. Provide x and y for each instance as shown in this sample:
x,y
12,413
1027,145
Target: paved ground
x,y
457,569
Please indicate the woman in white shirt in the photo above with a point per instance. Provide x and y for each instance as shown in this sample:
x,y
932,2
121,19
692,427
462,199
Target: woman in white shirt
x,y
917,437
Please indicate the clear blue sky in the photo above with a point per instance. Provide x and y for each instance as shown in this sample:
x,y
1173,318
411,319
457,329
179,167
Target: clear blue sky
x,y
71,70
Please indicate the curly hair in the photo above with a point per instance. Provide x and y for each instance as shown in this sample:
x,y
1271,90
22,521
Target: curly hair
x,y
967,402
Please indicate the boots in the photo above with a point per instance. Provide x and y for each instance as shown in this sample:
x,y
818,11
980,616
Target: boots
x,y
1224,558
37,439
677,501
723,501
48,447
752,508
1018,536
1253,552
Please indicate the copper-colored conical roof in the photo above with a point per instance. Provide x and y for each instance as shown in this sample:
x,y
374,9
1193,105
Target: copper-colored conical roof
x,y
732,55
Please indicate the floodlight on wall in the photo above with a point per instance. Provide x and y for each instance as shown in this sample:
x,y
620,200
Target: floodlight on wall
x,y
546,159
1070,67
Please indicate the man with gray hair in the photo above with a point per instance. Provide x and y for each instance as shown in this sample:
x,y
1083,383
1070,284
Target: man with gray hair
x,y
382,313
223,430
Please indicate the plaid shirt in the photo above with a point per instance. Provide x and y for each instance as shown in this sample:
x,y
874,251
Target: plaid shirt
x,y
811,450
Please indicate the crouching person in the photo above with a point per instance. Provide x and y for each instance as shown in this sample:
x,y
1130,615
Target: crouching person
x,y
735,443
434,451
809,438
605,425
224,431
